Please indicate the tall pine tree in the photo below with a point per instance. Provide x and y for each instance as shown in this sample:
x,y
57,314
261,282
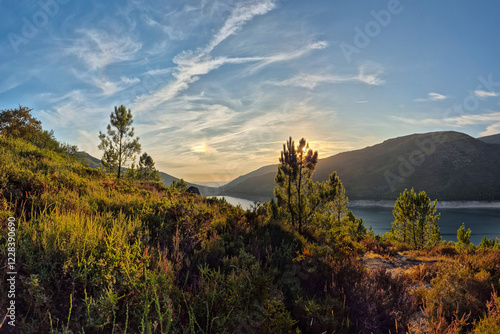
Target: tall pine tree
x,y
295,170
119,145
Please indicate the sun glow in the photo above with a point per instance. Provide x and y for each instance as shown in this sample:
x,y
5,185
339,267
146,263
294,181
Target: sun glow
x,y
200,148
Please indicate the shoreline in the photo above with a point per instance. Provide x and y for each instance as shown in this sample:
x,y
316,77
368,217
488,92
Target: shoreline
x,y
440,205
390,203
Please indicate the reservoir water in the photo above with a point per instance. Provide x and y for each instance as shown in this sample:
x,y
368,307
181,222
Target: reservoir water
x,y
245,204
481,221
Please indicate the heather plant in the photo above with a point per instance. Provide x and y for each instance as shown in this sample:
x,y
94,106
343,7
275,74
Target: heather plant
x,y
237,296
99,256
377,302
490,323
458,292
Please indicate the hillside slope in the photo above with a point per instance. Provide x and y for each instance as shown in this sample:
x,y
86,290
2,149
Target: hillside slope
x,y
447,165
167,179
493,139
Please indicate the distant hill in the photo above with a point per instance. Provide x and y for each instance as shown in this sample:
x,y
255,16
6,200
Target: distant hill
x,y
493,139
167,179
90,161
447,165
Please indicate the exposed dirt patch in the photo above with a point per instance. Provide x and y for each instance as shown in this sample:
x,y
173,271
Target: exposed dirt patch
x,y
395,265
419,270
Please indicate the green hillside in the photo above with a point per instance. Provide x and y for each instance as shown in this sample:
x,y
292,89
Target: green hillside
x,y
167,179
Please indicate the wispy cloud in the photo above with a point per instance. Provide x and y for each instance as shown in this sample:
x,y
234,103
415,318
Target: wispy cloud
x,y
287,56
485,94
65,109
239,16
12,82
191,65
98,49
310,81
111,87
176,21
106,86
219,135
370,74
493,129
490,120
432,97
187,71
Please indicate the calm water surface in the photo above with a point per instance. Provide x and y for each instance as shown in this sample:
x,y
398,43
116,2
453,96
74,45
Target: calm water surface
x,y
245,204
482,222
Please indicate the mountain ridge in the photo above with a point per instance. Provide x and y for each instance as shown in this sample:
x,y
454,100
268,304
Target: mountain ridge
x,y
448,165
492,139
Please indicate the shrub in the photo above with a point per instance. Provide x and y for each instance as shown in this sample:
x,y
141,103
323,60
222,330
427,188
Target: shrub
x,y
490,323
457,293
443,249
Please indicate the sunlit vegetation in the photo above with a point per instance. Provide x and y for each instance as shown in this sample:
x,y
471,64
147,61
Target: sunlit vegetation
x,y
95,255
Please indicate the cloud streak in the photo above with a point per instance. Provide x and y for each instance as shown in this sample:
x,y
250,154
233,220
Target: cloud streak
x,y
239,16
98,49
432,97
490,120
310,81
191,65
190,68
485,94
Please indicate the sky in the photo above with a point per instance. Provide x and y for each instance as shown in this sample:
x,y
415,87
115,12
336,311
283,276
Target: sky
x,y
216,87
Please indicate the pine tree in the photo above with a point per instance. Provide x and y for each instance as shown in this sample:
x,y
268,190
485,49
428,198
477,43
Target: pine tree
x,y
464,236
295,170
119,145
180,185
285,178
416,219
147,170
316,204
403,213
337,196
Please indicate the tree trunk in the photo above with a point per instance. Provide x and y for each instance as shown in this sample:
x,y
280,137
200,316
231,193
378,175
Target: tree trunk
x,y
289,190
120,158
300,195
